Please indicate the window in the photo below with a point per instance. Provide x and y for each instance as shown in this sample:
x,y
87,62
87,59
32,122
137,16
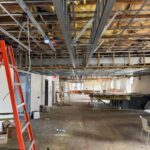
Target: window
x,y
76,86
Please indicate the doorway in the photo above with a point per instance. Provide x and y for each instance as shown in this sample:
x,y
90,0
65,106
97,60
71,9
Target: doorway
x,y
46,92
53,92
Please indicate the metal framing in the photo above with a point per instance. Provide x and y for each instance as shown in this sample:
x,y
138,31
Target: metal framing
x,y
101,17
12,37
64,26
27,11
73,22
22,27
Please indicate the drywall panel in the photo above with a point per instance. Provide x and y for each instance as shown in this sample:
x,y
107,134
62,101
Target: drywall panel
x,y
36,91
5,103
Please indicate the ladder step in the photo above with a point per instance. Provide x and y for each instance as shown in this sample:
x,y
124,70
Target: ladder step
x,y
14,67
25,126
31,146
20,105
8,60
17,84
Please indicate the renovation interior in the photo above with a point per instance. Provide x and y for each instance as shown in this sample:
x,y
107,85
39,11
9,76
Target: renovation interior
x,y
84,67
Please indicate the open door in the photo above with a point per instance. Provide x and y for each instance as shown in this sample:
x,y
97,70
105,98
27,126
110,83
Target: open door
x,y
53,92
46,92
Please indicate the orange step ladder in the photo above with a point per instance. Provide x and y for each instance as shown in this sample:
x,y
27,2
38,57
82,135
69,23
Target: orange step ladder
x,y
8,60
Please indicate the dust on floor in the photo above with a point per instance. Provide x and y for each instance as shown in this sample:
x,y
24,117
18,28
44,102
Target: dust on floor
x,y
79,127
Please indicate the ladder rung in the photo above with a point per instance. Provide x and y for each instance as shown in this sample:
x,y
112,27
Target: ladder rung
x,y
14,67
31,146
8,60
17,84
25,126
20,105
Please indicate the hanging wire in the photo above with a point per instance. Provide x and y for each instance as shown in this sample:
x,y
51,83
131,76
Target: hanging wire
x,y
19,35
29,44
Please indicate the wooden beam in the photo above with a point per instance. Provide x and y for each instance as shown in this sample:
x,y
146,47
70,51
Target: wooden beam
x,y
130,1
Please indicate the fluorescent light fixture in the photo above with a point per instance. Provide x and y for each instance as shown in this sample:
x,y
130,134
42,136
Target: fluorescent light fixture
x,y
46,40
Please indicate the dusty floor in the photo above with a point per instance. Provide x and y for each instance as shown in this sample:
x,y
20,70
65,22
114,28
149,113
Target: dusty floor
x,y
84,128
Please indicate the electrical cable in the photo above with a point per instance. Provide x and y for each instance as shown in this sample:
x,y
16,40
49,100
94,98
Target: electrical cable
x,y
7,95
20,32
29,44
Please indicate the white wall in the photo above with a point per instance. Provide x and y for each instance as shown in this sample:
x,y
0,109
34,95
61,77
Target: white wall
x,y
36,91
5,102
141,84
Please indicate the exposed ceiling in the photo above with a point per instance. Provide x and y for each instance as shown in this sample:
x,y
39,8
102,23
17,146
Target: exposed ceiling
x,y
86,37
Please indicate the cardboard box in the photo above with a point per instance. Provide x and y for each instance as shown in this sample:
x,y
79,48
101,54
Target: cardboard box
x,y
36,115
12,133
3,138
6,124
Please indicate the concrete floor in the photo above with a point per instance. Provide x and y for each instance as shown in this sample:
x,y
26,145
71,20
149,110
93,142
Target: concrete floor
x,y
89,129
